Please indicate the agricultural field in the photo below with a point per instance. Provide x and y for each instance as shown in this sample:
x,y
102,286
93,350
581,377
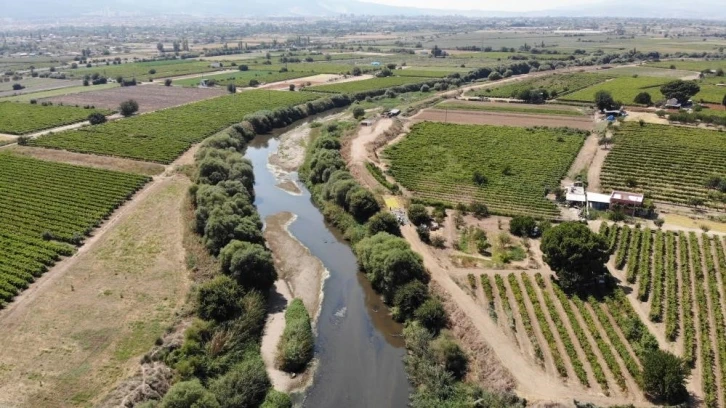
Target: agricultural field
x,y
312,67
162,136
46,209
423,73
142,71
242,78
556,84
678,279
647,71
547,109
516,166
622,89
710,93
149,97
20,118
373,84
27,97
671,167
575,339
34,85
690,65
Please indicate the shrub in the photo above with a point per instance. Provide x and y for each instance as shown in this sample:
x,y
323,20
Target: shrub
x,y
17,87
245,385
448,353
295,349
243,67
664,377
643,98
128,108
232,88
418,214
438,242
188,394
96,118
253,83
432,315
218,299
249,264
152,71
425,88
479,210
383,222
495,76
167,82
522,226
358,112
276,399
409,298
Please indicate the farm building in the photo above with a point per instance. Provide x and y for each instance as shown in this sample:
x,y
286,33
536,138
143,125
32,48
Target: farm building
x,y
577,196
672,104
215,65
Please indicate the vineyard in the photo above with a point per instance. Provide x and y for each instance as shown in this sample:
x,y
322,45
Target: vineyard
x,y
515,167
679,282
46,209
163,135
668,163
243,78
579,340
557,84
622,89
21,118
373,84
312,68
513,108
142,70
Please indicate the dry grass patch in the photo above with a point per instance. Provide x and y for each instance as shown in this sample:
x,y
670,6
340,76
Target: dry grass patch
x,y
70,338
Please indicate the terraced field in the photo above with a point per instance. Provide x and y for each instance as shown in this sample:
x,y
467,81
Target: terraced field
x,y
679,282
556,85
163,135
669,163
21,118
579,340
46,209
438,161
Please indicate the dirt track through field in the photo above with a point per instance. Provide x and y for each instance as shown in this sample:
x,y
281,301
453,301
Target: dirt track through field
x,y
502,119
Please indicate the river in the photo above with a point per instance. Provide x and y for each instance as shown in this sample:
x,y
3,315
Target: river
x,y
358,346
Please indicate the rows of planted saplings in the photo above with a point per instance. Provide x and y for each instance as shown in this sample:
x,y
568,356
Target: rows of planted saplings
x,y
684,276
603,333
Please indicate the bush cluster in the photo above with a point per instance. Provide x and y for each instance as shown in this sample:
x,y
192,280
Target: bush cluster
x,y
295,349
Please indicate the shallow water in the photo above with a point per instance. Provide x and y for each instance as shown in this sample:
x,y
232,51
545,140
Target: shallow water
x,y
358,347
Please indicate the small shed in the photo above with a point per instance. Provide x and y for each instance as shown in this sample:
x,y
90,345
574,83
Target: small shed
x,y
376,64
597,201
627,199
367,122
215,65
394,112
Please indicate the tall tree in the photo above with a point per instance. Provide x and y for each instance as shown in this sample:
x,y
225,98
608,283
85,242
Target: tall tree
x,y
681,90
575,253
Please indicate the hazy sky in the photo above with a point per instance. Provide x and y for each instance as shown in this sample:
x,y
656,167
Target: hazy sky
x,y
498,5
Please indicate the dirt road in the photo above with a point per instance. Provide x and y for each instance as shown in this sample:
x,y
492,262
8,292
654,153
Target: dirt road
x,y
357,151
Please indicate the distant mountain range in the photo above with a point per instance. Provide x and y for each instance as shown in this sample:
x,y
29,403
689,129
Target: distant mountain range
x,y
32,9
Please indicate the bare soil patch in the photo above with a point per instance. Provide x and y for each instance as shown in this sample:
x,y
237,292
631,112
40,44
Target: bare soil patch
x,y
81,329
302,271
150,97
320,79
505,119
101,162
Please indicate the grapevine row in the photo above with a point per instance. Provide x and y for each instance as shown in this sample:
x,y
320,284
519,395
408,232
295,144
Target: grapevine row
x,y
656,305
672,314
526,321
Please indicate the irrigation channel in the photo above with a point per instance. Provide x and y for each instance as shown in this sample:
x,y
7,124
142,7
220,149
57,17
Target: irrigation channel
x,y
358,347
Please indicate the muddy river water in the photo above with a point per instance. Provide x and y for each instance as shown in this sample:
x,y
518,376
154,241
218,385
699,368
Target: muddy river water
x,y
358,347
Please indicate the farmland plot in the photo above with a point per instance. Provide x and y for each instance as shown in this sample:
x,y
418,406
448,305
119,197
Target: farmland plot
x,y
142,70
164,135
46,209
685,278
243,78
21,118
516,166
622,89
556,84
373,84
669,163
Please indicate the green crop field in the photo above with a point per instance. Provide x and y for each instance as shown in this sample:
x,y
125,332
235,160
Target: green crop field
x,y
690,65
557,84
438,161
46,207
21,118
710,93
668,163
424,73
622,89
142,70
365,85
514,108
163,135
312,67
645,71
242,78
27,97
